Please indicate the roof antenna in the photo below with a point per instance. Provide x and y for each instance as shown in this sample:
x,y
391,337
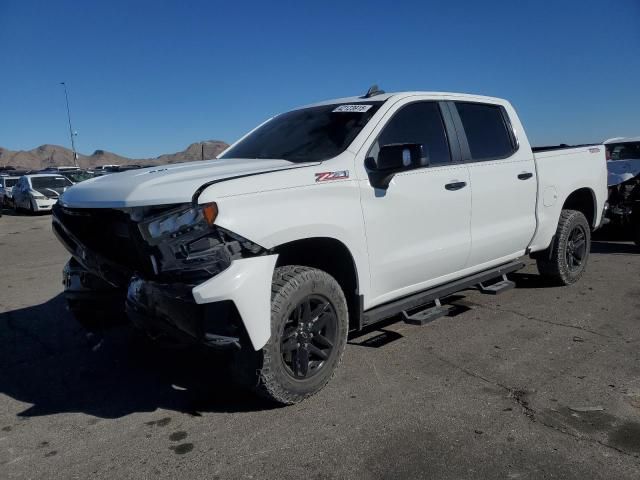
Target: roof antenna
x,y
373,91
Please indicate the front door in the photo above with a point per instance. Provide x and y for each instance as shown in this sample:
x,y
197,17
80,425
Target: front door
x,y
418,230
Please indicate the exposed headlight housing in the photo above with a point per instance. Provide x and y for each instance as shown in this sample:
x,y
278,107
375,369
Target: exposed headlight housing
x,y
177,222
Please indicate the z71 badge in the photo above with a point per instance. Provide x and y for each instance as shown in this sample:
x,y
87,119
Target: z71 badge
x,y
326,176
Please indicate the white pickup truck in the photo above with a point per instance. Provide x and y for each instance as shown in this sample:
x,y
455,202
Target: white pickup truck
x,y
325,220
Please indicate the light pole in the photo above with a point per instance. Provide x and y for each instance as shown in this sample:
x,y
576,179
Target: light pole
x,y
71,134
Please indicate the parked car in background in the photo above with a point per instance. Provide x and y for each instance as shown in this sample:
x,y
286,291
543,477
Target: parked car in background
x,y
328,219
108,169
39,192
6,190
78,176
105,167
60,169
623,166
122,168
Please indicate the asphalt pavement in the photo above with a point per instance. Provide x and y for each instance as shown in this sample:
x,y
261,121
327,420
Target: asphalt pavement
x,y
539,382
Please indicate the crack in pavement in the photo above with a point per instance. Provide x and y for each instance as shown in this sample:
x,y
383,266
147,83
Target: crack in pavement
x,y
542,320
518,395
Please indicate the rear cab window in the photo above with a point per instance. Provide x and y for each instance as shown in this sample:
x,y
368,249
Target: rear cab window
x,y
488,131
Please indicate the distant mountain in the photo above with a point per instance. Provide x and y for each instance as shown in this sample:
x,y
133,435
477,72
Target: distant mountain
x,y
54,155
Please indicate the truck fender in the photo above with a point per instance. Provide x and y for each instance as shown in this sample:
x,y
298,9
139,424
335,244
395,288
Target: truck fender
x,y
247,282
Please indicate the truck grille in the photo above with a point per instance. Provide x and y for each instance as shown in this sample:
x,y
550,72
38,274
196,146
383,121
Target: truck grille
x,y
108,233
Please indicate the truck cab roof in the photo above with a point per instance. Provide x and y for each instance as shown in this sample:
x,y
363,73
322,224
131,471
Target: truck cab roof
x,y
400,95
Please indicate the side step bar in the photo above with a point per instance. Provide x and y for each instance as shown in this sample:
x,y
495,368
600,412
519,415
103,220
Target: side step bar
x,y
497,287
411,302
428,314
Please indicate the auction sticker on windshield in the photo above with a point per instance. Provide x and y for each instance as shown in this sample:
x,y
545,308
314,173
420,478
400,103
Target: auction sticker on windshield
x,y
356,108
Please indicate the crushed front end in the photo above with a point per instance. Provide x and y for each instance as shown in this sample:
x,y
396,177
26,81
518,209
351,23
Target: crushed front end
x,y
146,261
624,206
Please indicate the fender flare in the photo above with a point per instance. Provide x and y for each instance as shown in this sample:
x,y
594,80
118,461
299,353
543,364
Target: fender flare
x,y
247,282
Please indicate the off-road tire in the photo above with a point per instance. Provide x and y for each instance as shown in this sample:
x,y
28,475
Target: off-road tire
x,y
265,371
552,263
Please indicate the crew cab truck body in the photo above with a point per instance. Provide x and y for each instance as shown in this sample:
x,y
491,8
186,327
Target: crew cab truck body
x,y
324,220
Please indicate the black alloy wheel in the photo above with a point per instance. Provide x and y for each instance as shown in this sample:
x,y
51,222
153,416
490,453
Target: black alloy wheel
x,y
565,261
576,249
309,327
309,337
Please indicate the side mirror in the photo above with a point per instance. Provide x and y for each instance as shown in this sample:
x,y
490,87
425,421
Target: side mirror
x,y
392,159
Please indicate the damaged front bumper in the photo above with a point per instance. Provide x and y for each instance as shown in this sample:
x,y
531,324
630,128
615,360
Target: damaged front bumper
x,y
169,311
196,286
217,313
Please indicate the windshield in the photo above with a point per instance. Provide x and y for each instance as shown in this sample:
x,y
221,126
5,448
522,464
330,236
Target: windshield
x,y
623,151
10,182
49,182
306,135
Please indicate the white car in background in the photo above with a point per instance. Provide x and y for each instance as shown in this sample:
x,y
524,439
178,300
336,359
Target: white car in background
x,y
623,155
39,192
6,188
623,168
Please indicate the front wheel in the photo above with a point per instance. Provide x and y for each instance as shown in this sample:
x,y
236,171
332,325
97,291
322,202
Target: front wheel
x,y
565,261
309,326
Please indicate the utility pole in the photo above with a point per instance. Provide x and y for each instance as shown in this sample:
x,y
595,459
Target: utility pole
x,y
71,134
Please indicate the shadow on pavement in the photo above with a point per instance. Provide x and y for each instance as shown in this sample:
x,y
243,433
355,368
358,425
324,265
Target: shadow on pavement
x,y
615,248
46,361
530,280
11,212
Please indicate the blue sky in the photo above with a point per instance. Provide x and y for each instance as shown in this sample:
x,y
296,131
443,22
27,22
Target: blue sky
x,y
150,77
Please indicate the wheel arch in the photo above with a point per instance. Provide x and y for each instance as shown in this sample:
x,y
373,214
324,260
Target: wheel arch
x,y
584,201
331,256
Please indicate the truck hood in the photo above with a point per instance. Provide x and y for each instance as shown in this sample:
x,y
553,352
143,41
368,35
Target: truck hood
x,y
164,184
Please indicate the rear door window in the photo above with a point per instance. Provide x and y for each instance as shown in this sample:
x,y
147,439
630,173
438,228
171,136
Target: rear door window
x,y
486,130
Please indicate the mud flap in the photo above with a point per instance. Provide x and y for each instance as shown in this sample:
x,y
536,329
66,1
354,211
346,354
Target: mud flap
x,y
247,282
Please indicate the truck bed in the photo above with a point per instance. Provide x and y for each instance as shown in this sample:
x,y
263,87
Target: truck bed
x,y
562,170
562,146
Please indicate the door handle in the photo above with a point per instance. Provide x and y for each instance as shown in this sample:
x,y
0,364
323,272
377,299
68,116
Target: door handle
x,y
525,176
455,185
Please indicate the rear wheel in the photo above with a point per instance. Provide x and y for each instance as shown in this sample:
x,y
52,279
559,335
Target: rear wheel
x,y
565,261
309,325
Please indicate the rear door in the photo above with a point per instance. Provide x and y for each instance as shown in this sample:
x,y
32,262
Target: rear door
x,y
503,183
418,229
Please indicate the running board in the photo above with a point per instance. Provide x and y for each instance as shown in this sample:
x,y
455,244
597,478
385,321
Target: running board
x,y
427,314
411,302
497,287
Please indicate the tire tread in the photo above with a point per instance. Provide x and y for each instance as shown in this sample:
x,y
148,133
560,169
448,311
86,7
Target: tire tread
x,y
286,280
550,263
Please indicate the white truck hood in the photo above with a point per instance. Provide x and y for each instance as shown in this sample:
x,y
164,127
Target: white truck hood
x,y
163,184
622,170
